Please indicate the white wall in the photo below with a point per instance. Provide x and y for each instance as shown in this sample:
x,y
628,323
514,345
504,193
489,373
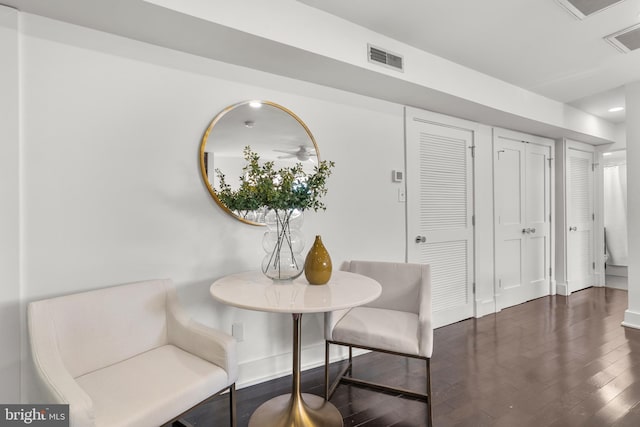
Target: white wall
x,y
112,191
9,209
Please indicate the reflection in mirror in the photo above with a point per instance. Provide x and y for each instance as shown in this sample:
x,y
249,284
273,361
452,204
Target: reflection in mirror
x,y
272,131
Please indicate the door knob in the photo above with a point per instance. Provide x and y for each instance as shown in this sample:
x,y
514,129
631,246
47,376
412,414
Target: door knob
x,y
525,230
532,230
421,239
573,228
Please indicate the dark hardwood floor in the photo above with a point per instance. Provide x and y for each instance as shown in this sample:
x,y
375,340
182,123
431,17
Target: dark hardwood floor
x,y
556,361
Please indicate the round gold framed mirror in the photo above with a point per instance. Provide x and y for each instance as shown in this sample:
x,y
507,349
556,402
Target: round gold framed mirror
x,y
272,131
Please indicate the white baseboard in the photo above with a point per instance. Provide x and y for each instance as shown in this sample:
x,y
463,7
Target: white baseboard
x,y
631,319
599,279
562,288
260,370
485,307
617,270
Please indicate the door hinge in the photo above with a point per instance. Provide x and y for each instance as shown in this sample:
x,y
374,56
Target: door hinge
x,y
593,217
474,287
593,265
473,220
550,158
593,167
550,272
473,150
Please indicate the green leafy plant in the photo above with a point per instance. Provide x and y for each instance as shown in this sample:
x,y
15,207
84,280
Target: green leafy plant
x,y
263,186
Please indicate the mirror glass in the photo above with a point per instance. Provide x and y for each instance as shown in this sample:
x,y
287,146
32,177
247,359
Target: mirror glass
x,y
271,130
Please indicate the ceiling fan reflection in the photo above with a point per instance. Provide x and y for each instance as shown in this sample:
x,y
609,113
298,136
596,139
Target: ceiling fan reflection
x,y
303,153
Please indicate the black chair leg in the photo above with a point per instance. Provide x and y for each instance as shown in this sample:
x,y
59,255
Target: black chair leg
x,y
232,405
429,400
326,370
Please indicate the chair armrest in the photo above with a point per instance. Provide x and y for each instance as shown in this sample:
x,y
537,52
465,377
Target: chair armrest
x,y
425,315
59,385
207,343
331,319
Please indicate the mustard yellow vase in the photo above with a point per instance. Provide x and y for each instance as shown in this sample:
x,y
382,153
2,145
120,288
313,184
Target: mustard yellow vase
x,y
317,265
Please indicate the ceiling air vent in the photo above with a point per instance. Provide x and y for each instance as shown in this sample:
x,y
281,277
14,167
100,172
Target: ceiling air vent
x,y
384,57
583,8
626,40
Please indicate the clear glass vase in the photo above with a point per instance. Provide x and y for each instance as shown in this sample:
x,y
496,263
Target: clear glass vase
x,y
283,243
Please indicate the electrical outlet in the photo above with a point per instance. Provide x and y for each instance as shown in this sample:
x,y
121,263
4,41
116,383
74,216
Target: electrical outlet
x,y
237,330
402,197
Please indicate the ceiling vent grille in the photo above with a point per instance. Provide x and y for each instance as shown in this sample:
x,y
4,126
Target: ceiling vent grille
x,y
583,8
384,57
626,40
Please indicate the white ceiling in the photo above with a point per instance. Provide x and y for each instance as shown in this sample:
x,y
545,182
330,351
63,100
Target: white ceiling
x,y
534,44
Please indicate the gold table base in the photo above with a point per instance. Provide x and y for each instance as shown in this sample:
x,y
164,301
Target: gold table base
x,y
286,410
296,409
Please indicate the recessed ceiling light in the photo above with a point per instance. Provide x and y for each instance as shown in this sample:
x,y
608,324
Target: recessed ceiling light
x,y
615,109
255,104
606,154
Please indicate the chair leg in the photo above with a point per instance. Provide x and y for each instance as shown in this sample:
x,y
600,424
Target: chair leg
x,y
326,370
232,405
429,400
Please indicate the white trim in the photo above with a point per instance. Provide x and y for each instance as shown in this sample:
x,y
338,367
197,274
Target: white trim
x,y
562,288
631,319
580,146
522,137
485,307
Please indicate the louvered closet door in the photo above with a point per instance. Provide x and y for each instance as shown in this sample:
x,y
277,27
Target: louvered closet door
x,y
580,209
439,213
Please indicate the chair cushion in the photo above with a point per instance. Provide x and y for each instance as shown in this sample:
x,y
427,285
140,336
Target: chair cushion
x,y
98,328
151,388
379,328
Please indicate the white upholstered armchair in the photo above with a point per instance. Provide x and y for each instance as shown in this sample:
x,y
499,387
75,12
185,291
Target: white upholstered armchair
x,y
398,322
128,356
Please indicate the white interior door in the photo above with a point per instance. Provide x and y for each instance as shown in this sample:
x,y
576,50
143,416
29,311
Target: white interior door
x,y
538,219
522,225
580,219
439,213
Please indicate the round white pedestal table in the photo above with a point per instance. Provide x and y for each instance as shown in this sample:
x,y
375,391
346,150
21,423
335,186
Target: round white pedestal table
x,y
254,291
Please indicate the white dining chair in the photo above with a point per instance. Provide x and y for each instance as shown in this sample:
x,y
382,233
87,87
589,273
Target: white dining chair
x,y
398,322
